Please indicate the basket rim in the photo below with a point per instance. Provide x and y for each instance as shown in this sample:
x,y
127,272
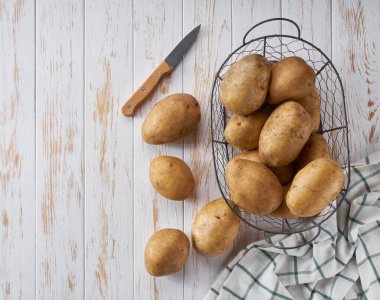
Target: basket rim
x,y
338,200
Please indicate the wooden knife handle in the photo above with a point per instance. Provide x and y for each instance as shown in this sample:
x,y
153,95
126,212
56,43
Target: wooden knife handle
x,y
146,89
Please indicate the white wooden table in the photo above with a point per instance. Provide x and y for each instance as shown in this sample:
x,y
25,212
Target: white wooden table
x,y
76,204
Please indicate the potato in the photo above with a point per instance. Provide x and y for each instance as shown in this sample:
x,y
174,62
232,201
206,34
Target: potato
x,y
291,79
314,187
283,210
243,132
166,252
284,134
244,86
214,229
171,177
284,174
253,186
312,105
316,147
171,119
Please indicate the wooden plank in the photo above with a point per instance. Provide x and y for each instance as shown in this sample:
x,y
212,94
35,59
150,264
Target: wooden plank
x,y
109,150
356,55
314,20
200,64
17,144
246,14
59,150
157,29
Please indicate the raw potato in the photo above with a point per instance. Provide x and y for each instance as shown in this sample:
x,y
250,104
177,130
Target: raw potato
x,y
283,210
284,134
214,229
171,177
253,186
312,105
171,119
245,85
284,174
291,79
314,187
166,252
316,147
243,132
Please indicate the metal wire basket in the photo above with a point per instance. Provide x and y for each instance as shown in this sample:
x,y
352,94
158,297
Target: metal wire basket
x,y
334,125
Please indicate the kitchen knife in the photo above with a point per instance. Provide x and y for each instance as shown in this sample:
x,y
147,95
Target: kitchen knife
x,y
164,68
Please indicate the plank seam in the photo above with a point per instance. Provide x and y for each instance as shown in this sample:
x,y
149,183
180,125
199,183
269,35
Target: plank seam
x,y
35,149
84,150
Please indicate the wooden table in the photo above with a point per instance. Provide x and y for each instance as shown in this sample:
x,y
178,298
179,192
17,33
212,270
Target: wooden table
x,y
76,204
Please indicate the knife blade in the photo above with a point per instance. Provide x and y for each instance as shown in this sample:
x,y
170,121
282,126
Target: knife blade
x,y
164,68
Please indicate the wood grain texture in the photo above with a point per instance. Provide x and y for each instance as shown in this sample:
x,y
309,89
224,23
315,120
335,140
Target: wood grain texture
x,y
76,204
17,144
199,67
157,29
245,14
109,150
59,157
356,55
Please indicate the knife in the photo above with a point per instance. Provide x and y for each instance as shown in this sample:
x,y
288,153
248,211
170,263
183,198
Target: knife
x,y
164,68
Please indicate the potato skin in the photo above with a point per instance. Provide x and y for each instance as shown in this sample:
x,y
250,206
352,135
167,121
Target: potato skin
x,y
171,177
253,186
283,210
314,187
291,78
284,174
166,252
245,85
284,134
316,147
243,132
214,229
171,119
312,105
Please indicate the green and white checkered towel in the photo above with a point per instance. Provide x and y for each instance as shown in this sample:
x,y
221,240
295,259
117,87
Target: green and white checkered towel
x,y
342,263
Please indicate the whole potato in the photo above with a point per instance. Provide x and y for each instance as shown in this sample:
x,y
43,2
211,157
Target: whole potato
x,y
283,210
244,86
312,105
284,134
314,187
291,79
171,177
253,186
214,229
171,119
316,147
243,132
166,252
284,174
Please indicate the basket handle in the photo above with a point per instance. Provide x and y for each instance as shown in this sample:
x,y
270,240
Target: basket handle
x,y
271,20
267,239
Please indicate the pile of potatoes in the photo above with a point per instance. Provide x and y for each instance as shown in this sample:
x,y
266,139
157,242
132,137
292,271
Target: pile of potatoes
x,y
284,171
215,226
287,170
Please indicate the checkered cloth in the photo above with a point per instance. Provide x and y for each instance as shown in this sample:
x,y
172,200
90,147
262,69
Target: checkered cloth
x,y
342,263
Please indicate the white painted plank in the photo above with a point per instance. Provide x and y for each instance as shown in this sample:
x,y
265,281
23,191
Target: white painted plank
x,y
59,150
17,144
157,29
313,18
109,151
200,64
356,54
246,14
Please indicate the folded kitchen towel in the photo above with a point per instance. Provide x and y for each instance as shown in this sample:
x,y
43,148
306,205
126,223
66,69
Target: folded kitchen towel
x,y
342,263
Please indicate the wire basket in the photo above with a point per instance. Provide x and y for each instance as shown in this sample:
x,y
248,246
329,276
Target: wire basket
x,y
334,125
